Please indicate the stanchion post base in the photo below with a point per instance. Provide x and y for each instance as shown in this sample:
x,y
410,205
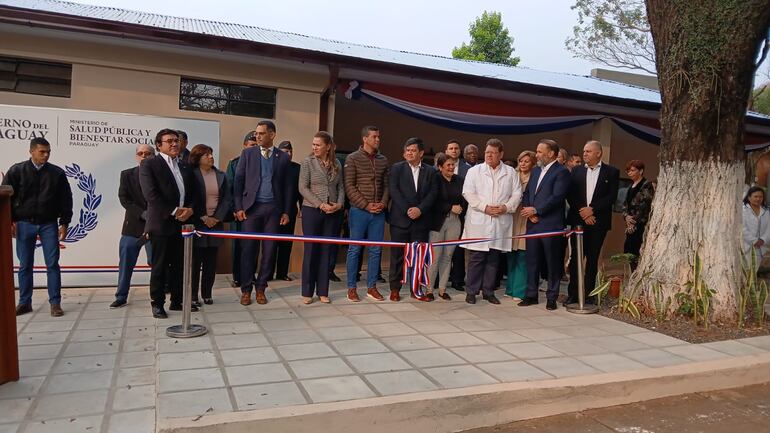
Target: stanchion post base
x,y
587,308
178,331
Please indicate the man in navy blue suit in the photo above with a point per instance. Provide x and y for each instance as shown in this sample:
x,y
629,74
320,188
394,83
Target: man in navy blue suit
x,y
262,203
543,206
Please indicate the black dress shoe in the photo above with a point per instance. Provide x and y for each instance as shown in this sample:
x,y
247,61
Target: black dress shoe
x,y
196,303
334,277
492,299
284,278
570,300
430,297
23,309
208,301
118,303
550,305
380,279
178,307
471,299
159,313
526,302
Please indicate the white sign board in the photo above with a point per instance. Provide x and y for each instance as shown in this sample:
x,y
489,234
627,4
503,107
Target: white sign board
x,y
92,147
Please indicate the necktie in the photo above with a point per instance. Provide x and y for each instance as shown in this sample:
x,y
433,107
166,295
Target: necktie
x,y
266,152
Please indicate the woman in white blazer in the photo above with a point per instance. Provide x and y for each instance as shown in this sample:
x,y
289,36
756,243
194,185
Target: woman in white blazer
x,y
756,225
493,192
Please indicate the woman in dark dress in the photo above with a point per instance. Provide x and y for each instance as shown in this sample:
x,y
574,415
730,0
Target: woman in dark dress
x,y
636,209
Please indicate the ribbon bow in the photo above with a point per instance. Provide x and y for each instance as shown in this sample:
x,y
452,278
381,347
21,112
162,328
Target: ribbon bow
x,y
417,259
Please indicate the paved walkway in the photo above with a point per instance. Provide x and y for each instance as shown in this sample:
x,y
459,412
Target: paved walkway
x,y
97,369
731,411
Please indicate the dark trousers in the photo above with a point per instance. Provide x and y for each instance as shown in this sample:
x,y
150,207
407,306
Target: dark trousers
x,y
204,261
482,272
260,218
398,234
334,248
633,245
167,261
315,261
544,253
283,250
592,247
457,274
237,251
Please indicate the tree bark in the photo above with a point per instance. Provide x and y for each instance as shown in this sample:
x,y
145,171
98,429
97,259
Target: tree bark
x,y
705,53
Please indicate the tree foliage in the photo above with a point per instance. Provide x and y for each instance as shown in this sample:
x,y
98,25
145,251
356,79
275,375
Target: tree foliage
x,y
490,41
760,101
613,32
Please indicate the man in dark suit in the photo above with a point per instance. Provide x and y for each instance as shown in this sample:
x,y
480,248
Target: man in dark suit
x,y
132,236
412,194
283,250
261,195
457,272
250,140
168,188
543,206
593,191
184,152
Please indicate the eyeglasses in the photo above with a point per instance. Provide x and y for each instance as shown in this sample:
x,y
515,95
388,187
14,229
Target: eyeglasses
x,y
144,153
173,140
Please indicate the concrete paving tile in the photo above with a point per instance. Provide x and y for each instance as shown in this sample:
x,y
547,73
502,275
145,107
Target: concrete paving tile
x,y
414,316
80,335
323,367
542,334
552,321
140,332
140,421
611,362
102,314
500,337
514,323
74,382
91,348
343,333
529,350
359,346
476,325
255,355
377,362
136,376
253,397
137,359
432,357
31,338
256,373
336,389
101,323
358,309
220,307
57,325
283,324
400,382
42,351
619,328
389,329
193,403
655,357
81,424
24,387
144,321
14,410
696,352
459,376
475,354
9,428
229,317
71,405
563,367
457,314
514,371
617,343
36,367
140,344
293,337
581,331
135,397
241,341
248,327
169,345
188,380
278,313
576,346
409,342
374,318
186,360
392,307
330,321
305,351
434,327
456,339
762,342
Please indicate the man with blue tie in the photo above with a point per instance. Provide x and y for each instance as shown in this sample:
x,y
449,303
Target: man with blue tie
x,y
543,206
261,203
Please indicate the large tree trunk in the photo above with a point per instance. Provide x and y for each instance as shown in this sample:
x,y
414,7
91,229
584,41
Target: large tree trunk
x,y
705,59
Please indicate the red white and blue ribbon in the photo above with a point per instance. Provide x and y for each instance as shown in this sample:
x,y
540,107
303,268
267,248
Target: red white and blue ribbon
x,y
418,257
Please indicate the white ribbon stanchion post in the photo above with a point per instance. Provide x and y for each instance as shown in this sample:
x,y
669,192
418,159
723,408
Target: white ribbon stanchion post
x,y
581,307
186,329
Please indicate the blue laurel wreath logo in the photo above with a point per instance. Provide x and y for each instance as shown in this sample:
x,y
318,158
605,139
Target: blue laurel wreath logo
x,y
88,217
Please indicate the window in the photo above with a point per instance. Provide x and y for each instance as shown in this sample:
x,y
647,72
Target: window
x,y
224,98
38,78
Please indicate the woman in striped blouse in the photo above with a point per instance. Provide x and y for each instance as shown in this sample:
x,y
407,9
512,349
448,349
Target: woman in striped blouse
x,y
320,183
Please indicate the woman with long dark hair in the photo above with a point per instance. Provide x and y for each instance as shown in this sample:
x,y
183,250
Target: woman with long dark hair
x,y
636,208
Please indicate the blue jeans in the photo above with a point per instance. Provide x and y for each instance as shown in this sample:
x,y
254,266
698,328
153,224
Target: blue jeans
x,y
369,226
26,237
128,250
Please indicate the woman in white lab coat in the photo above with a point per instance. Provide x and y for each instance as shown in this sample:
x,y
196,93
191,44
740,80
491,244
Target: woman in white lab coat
x,y
756,225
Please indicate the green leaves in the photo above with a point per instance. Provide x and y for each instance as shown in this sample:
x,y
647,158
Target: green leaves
x,y
490,41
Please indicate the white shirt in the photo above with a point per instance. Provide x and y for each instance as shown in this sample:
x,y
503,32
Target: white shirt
x,y
172,164
542,174
415,174
592,176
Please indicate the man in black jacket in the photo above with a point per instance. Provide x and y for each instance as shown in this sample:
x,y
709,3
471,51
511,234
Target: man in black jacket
x,y
168,188
593,190
41,196
132,236
412,194
283,250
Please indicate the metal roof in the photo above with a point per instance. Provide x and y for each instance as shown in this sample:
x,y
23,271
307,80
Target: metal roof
x,y
514,74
